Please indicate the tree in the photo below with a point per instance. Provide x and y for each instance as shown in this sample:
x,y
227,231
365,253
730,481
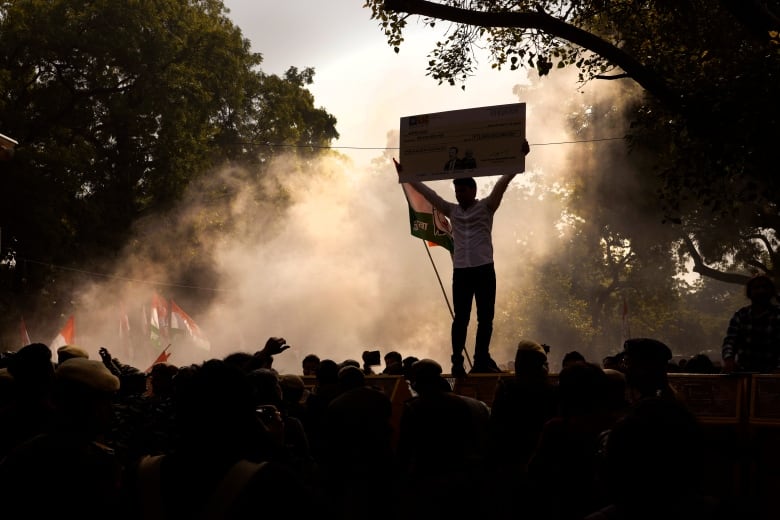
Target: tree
x,y
707,117
118,107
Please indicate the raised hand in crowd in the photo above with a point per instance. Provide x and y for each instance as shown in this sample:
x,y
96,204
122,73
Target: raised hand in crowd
x,y
274,345
108,361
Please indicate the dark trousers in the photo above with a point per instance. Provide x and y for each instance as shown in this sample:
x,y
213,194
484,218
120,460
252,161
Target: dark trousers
x,y
477,284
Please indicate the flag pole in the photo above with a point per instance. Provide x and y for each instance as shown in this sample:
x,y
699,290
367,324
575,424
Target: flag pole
x,y
444,293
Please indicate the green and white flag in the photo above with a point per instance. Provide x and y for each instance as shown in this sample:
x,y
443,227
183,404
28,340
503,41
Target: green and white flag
x,y
427,222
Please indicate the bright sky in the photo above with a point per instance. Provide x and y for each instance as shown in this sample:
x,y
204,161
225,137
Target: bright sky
x,y
358,77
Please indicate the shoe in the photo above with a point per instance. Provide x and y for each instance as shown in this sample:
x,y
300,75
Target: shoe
x,y
457,366
487,366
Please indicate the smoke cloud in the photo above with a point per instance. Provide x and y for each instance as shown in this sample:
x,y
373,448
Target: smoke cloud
x,y
335,271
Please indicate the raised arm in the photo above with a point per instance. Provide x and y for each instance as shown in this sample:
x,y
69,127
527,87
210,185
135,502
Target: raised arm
x,y
430,195
494,199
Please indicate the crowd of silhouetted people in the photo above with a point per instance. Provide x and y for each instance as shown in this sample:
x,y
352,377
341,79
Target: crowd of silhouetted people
x,y
234,438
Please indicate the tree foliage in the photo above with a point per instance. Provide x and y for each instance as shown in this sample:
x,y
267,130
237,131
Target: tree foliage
x,y
118,107
705,126
594,260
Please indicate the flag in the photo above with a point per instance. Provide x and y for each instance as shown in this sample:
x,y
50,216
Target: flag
x,y
158,325
162,358
124,333
66,335
25,337
427,222
182,323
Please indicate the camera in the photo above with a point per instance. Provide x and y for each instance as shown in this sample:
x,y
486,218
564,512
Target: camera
x,y
372,358
267,413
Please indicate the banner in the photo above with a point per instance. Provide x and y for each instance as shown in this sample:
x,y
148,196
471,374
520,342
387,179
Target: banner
x,y
472,142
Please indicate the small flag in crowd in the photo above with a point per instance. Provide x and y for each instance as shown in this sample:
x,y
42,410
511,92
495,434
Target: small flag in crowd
x,y
181,322
162,358
66,335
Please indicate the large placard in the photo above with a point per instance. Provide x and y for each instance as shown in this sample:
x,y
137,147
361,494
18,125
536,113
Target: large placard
x,y
471,142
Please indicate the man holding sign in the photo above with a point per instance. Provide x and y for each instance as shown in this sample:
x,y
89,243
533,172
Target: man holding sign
x,y
473,276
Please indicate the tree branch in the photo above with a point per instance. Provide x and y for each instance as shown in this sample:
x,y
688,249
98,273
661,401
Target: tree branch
x,y
763,239
704,270
758,264
611,77
550,25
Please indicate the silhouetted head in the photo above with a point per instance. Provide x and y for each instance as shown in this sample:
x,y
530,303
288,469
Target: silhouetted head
x,y
582,389
327,372
265,383
32,369
571,358
351,377
66,352
530,359
646,362
426,376
310,364
350,363
465,191
84,390
393,357
408,363
648,352
293,388
760,288
241,360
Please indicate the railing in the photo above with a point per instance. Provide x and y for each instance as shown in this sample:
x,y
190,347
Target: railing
x,y
752,399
